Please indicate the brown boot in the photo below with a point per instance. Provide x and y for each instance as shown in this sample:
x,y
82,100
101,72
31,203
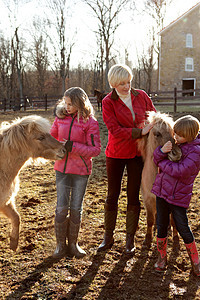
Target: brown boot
x,y
161,263
61,230
74,248
110,217
194,257
132,218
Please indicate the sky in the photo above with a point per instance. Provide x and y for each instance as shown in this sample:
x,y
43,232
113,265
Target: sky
x,y
131,35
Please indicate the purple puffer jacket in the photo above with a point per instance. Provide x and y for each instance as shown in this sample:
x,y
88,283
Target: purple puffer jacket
x,y
174,182
86,143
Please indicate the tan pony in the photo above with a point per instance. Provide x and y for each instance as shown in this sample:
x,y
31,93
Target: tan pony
x,y
20,140
161,132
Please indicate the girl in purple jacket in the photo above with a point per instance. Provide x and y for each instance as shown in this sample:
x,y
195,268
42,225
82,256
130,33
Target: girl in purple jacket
x,y
173,188
75,126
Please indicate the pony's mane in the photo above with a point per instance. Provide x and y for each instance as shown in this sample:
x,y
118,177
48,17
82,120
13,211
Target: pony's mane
x,y
157,119
14,134
160,118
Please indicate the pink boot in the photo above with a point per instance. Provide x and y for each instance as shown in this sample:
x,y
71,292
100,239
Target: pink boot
x,y
194,257
162,254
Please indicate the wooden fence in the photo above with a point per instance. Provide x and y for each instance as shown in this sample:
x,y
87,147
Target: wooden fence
x,y
176,98
32,103
173,98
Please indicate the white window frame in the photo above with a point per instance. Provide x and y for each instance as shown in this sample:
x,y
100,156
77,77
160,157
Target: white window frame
x,y
189,40
189,62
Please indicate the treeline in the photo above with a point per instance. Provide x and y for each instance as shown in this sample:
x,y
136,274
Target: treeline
x,y
35,57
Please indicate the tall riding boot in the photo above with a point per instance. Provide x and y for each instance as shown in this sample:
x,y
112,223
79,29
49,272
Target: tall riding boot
x,y
110,216
74,248
194,257
132,218
61,230
161,263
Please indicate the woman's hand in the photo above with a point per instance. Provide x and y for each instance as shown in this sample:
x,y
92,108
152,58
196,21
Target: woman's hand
x,y
147,128
167,147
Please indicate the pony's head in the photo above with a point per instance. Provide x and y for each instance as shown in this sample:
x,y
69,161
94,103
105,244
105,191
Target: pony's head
x,y
29,136
161,132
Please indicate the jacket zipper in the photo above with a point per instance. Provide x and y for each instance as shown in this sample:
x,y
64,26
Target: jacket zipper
x,y
70,129
174,188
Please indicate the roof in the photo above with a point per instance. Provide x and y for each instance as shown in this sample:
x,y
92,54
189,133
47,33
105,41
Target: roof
x,y
179,18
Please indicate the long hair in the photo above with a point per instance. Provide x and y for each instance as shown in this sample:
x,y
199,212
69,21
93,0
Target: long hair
x,y
81,101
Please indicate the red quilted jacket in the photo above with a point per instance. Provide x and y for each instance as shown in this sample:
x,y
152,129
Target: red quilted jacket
x,y
119,121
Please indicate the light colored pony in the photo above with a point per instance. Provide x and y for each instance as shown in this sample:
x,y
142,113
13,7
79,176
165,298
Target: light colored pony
x,y
20,140
161,132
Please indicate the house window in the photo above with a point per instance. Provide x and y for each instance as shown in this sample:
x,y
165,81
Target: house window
x,y
189,42
189,64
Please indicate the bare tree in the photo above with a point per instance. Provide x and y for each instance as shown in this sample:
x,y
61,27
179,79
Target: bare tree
x,y
148,63
5,69
17,48
17,45
157,10
38,54
107,13
62,43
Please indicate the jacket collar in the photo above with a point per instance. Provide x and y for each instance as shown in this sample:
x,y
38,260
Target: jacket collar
x,y
114,95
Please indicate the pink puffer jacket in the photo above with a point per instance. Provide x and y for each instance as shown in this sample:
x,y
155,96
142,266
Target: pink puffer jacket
x,y
86,143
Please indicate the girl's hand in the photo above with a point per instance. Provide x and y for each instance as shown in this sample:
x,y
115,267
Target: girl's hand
x,y
147,128
167,147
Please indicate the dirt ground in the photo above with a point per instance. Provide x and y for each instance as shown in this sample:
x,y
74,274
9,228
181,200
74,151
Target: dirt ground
x,y
31,273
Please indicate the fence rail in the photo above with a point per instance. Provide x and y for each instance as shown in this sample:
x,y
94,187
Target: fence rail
x,y
176,98
173,98
34,103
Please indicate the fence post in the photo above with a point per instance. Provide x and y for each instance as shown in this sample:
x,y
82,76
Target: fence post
x,y
45,101
175,99
25,102
4,104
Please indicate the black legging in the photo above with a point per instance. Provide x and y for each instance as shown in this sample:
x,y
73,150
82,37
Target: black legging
x,y
115,168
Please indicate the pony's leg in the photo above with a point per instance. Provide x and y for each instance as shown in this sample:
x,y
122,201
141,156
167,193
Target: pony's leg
x,y
151,213
10,212
176,245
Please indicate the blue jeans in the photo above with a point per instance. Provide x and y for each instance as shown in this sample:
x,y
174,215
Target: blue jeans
x,y
70,193
180,219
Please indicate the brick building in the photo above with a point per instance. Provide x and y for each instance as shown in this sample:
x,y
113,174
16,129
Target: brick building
x,y
179,61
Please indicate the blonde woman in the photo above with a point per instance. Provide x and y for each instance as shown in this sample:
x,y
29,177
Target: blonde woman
x,y
76,126
124,113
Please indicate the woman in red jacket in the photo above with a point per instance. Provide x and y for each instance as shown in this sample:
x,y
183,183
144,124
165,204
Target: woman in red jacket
x,y
124,113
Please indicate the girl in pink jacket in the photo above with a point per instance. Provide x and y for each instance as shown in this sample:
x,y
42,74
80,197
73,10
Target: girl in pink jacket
x,y
75,126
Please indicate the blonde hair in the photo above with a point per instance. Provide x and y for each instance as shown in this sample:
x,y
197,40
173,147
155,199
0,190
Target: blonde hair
x,y
187,127
119,73
81,101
